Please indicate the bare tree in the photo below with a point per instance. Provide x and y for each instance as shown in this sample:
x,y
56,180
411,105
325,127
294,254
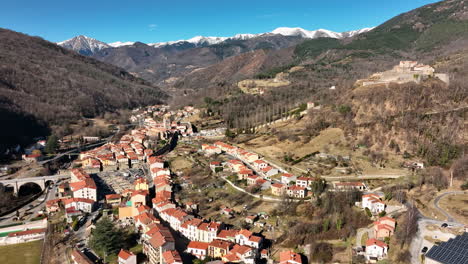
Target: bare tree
x,y
409,227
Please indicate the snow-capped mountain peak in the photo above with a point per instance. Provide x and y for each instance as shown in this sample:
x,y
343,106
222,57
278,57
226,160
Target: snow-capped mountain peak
x,y
319,33
120,44
84,45
87,46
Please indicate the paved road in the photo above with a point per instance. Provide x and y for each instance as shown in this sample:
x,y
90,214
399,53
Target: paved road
x,y
37,205
436,204
419,242
360,232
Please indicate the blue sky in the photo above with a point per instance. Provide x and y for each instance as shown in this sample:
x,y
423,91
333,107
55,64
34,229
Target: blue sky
x,y
157,21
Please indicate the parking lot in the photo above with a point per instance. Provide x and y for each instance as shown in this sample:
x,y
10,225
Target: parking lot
x,y
117,181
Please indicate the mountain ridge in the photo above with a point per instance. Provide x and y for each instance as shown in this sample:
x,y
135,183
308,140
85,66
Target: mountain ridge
x,y
87,45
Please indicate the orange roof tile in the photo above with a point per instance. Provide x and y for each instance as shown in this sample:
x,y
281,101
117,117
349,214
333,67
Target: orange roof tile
x,y
125,254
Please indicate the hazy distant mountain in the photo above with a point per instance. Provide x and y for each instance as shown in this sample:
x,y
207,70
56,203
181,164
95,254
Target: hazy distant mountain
x,y
84,45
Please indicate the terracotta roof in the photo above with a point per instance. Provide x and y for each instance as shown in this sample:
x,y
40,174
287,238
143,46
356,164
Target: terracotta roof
x,y
260,181
296,188
268,168
125,254
384,226
53,202
27,232
146,218
290,257
386,218
198,245
227,233
240,249
256,239
155,228
373,241
113,196
171,256
76,200
161,237
245,233
302,178
143,208
231,257
217,243
86,183
277,185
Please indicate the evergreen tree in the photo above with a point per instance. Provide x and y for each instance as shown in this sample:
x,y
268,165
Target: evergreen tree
x,y
106,238
52,144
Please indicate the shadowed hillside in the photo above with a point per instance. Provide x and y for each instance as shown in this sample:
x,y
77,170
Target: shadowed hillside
x,y
40,80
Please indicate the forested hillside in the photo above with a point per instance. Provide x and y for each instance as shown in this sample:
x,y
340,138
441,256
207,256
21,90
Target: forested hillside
x,y
425,119
43,85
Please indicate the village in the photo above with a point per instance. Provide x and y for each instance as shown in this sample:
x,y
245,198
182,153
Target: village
x,y
156,217
130,181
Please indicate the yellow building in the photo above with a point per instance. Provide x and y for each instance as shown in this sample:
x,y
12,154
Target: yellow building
x,y
219,248
141,184
278,189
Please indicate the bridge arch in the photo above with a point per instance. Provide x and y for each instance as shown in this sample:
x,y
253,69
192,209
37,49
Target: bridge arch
x,y
43,181
28,188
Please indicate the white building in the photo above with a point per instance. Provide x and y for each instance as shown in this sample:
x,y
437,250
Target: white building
x,y
82,204
376,249
127,257
286,178
373,202
84,189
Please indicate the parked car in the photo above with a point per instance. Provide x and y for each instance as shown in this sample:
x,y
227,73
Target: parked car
x,y
444,225
424,249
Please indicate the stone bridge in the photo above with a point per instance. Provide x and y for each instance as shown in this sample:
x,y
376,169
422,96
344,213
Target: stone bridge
x,y
41,181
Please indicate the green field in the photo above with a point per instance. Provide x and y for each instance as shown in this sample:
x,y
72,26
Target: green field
x,y
24,253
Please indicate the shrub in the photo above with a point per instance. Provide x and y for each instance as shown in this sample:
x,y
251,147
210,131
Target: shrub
x,y
464,186
368,212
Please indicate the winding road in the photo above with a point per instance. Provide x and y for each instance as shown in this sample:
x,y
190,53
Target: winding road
x,y
436,204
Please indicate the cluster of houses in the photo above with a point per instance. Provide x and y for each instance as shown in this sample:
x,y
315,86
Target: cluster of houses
x,y
157,218
33,152
162,112
83,196
207,238
248,166
259,172
384,228
133,148
129,152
